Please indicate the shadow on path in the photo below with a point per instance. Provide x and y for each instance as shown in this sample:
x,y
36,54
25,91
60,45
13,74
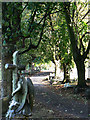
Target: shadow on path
x,y
45,73
49,104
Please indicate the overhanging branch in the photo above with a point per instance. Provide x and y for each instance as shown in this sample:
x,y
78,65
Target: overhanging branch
x,y
84,35
85,15
81,44
32,20
51,23
31,46
24,8
87,51
83,27
72,36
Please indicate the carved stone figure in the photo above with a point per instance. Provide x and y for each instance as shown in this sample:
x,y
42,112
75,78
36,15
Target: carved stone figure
x,y
22,94
25,95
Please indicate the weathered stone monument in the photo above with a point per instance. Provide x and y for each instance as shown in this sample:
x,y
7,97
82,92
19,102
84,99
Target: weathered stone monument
x,y
22,91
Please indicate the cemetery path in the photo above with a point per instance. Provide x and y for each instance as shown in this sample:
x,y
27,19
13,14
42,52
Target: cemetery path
x,y
50,103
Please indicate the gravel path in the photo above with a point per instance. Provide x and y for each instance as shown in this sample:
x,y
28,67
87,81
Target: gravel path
x,y
50,104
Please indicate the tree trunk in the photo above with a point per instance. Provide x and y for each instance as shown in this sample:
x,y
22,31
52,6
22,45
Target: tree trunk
x,y
66,74
13,20
78,58
55,70
6,74
57,63
81,73
64,69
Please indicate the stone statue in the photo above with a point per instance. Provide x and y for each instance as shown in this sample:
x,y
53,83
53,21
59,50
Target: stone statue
x,y
25,93
22,94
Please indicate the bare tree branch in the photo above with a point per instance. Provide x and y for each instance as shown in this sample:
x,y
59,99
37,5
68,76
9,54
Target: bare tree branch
x,y
84,35
24,7
72,36
31,46
85,15
32,20
51,23
81,44
87,51
80,9
47,15
40,34
73,11
83,27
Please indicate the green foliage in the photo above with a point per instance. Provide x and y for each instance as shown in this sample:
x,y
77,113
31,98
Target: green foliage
x,y
22,26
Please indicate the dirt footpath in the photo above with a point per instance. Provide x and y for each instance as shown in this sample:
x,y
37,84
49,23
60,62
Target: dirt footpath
x,y
50,103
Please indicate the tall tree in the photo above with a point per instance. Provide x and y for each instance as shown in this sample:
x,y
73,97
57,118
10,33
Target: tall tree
x,y
78,32
15,30
60,42
10,29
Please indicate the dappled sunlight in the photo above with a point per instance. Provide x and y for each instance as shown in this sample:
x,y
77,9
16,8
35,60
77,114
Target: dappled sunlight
x,y
58,98
38,80
45,47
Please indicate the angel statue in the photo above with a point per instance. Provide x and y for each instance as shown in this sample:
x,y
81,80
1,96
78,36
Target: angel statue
x,y
22,98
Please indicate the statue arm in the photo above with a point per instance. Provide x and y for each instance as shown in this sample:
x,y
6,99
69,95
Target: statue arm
x,y
18,88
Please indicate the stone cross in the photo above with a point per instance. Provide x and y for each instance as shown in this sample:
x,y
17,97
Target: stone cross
x,y
15,67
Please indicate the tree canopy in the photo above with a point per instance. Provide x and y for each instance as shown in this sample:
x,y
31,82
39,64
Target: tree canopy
x,y
47,31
